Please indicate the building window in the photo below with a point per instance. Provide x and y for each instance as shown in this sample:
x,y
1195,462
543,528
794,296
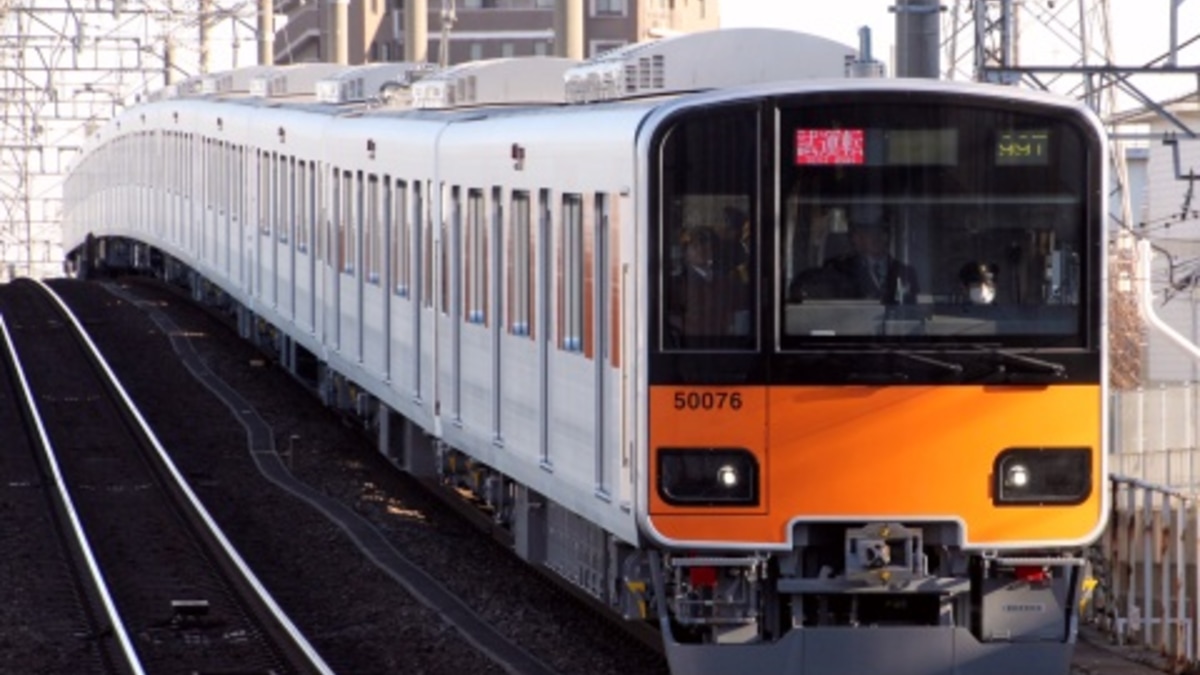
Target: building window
x,y
476,51
599,47
507,50
608,7
541,48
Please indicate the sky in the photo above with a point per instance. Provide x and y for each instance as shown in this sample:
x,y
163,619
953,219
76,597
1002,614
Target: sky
x,y
1140,27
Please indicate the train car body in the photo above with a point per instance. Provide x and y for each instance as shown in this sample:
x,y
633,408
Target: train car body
x,y
810,373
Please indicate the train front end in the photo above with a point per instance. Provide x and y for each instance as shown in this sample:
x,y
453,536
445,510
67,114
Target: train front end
x,y
875,435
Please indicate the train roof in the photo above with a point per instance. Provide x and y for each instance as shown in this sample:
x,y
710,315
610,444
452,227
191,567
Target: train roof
x,y
680,71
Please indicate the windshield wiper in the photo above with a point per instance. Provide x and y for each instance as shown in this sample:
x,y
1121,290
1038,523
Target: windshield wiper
x,y
896,376
954,368
1035,369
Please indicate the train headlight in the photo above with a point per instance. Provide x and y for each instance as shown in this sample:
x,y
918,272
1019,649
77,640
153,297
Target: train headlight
x,y
1042,476
1016,476
707,477
728,477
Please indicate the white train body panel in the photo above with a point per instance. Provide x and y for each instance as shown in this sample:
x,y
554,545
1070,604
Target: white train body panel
x,y
499,386
300,246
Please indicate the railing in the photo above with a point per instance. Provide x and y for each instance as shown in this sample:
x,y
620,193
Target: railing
x,y
1146,571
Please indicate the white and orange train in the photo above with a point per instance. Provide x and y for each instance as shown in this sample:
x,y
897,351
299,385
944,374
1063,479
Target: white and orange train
x,y
809,371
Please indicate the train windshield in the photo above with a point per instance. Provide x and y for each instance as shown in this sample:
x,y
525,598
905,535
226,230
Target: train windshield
x,y
903,221
875,221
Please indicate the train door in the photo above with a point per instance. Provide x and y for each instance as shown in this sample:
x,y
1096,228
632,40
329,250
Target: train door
x,y
315,233
436,263
494,288
349,268
250,228
290,225
454,315
545,268
624,341
335,260
283,245
225,176
205,192
386,252
303,286
420,287
320,289
358,321
601,339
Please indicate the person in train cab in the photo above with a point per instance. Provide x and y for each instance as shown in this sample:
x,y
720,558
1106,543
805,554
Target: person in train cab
x,y
979,282
740,265
870,271
700,300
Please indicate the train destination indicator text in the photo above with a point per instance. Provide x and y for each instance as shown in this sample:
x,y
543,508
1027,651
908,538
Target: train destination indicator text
x,y
830,146
876,147
1023,148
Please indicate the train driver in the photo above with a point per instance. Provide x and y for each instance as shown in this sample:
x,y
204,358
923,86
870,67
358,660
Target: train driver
x,y
701,299
869,271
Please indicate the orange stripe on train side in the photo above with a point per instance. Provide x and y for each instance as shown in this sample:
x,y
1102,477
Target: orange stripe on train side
x,y
869,452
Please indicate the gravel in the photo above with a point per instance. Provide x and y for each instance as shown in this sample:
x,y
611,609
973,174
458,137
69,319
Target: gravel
x,y
357,617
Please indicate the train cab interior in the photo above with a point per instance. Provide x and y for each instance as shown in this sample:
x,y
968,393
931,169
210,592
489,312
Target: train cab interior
x,y
928,270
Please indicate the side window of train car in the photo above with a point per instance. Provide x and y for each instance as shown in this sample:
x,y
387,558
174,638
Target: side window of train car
x,y
519,274
495,252
708,261
283,200
345,232
264,193
333,235
475,268
372,232
449,243
570,291
239,185
401,241
302,206
422,221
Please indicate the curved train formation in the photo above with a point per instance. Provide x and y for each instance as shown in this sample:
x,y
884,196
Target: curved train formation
x,y
809,371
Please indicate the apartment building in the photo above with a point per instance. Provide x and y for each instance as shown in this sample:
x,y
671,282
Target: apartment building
x,y
481,29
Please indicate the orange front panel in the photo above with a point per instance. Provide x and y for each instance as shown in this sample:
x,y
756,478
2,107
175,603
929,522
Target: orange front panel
x,y
903,453
708,417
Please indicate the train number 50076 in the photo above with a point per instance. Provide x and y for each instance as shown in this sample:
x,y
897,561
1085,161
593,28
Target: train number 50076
x,y
707,400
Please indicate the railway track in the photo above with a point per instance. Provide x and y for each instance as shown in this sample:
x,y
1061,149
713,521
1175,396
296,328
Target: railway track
x,y
159,588
330,460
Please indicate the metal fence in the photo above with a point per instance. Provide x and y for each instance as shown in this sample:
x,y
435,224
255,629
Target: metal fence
x,y
1146,571
1146,567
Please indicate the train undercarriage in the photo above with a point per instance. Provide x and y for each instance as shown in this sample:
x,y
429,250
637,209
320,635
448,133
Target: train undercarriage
x,y
850,598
